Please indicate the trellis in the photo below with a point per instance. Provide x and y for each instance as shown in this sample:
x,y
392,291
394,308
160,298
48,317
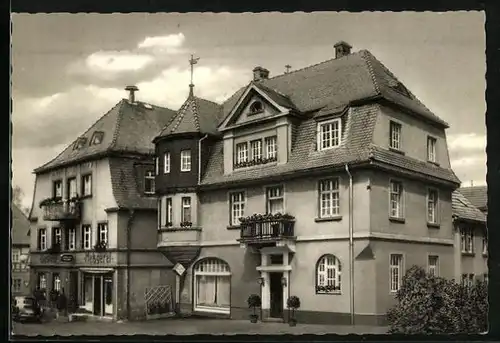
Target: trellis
x,y
158,295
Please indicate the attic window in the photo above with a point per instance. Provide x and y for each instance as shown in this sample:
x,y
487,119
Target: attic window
x,y
97,138
256,107
400,88
80,143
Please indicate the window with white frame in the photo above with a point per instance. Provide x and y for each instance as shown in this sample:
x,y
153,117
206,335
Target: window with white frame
x,y
395,271
157,166
166,163
433,265
237,200
149,183
329,198
256,149
72,191
57,189
168,212
86,237
271,147
329,134
328,275
87,185
186,160
72,238
42,239
431,149
275,199
42,281
212,286
186,210
432,206
395,135
467,240
396,199
56,282
56,236
241,152
468,280
15,255
102,233
485,244
16,285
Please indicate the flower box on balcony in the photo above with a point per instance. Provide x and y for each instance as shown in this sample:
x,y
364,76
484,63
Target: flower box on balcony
x,y
186,224
255,162
57,209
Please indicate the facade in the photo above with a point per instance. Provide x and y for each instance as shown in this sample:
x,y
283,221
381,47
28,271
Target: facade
x,y
93,218
20,232
326,183
471,235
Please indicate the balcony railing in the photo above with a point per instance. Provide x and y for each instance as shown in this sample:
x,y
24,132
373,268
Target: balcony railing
x,y
56,210
267,227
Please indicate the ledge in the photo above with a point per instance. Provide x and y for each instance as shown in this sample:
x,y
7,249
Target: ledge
x,y
329,293
179,228
397,220
328,219
233,227
397,151
434,163
86,197
433,225
471,254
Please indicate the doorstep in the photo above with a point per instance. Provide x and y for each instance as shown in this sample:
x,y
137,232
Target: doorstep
x,y
273,320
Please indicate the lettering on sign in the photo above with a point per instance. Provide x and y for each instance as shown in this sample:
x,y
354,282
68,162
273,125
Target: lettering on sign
x,y
67,258
49,259
97,258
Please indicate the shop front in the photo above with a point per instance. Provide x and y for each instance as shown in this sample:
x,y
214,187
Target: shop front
x,y
97,292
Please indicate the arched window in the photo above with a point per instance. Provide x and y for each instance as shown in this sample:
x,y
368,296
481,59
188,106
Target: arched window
x,y
212,286
328,272
256,107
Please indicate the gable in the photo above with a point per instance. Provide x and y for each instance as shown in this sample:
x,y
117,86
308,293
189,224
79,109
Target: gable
x,y
255,108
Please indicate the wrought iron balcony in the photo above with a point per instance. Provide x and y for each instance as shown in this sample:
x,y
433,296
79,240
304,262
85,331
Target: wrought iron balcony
x,y
59,210
266,228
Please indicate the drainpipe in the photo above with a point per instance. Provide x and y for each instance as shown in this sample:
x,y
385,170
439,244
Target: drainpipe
x,y
351,244
127,275
199,157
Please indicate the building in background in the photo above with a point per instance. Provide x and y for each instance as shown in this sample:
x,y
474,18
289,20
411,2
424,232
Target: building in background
x,y
342,179
20,240
478,196
94,214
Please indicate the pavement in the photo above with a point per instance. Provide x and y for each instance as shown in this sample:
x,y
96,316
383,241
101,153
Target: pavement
x,y
184,327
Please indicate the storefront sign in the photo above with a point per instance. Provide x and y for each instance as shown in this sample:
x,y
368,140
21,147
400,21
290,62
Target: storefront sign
x,y
67,258
49,258
97,258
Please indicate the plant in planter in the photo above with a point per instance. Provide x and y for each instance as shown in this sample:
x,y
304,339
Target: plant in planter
x,y
254,301
293,303
152,308
186,224
100,246
55,248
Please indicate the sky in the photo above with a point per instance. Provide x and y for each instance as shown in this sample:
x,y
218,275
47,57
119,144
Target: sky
x,y
70,69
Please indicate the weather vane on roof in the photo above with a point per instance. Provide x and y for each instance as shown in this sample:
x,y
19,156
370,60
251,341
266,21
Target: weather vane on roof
x,y
192,62
288,67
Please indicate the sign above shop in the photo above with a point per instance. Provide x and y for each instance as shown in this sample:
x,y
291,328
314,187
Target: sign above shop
x,y
98,258
67,258
179,269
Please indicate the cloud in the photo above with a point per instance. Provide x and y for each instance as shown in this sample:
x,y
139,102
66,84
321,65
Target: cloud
x,y
117,61
171,41
466,161
467,141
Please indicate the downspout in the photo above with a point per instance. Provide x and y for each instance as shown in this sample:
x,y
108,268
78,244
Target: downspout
x,y
351,244
127,275
199,157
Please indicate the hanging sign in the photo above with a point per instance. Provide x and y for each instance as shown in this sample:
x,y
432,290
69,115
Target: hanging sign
x,y
179,269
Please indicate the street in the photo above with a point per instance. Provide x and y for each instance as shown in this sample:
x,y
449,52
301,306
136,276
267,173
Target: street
x,y
184,327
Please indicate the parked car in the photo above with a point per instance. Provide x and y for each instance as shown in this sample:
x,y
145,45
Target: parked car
x,y
26,308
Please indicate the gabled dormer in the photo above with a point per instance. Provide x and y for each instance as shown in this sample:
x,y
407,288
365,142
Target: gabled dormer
x,y
258,129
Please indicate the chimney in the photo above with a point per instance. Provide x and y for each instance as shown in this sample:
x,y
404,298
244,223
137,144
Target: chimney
x,y
260,73
131,93
342,49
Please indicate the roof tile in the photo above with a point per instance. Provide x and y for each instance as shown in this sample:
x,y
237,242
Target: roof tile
x,y
464,209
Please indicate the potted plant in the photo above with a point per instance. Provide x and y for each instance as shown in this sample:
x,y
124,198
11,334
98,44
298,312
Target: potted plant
x,y
293,303
100,246
254,301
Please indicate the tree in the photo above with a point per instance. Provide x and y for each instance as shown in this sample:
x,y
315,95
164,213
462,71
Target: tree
x,y
17,199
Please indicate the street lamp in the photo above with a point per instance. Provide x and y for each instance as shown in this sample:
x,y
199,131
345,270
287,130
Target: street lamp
x,y
260,281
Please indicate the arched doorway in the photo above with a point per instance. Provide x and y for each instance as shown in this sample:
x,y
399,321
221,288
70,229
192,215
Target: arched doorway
x,y
212,286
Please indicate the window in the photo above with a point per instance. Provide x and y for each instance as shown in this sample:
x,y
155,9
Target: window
x,y
186,160
468,280
270,147
71,187
256,149
15,256
16,285
56,236
80,143
42,239
467,240
431,149
157,166
433,265
328,273
149,183
186,209
241,152
256,107
275,203
72,238
166,163
432,206
86,236
329,134
396,208
169,212
97,138
42,281
87,185
102,233
485,245
329,198
212,285
57,191
237,200
395,270
56,282
395,135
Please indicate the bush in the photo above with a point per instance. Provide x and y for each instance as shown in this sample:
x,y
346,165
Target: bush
x,y
433,305
254,301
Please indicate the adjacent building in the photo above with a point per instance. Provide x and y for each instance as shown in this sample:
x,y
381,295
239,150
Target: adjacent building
x,y
326,182
20,248
94,215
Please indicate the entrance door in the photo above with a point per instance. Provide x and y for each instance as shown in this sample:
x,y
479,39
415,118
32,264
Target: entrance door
x,y
98,296
276,295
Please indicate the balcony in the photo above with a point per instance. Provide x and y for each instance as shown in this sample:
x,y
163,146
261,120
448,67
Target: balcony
x,y
268,228
60,210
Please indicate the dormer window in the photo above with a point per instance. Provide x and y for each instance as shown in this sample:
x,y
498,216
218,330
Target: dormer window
x,y
149,182
97,138
329,134
256,107
80,143
400,88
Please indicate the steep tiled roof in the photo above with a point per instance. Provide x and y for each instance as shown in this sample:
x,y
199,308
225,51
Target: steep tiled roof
x,y
127,127
20,227
477,195
464,209
195,115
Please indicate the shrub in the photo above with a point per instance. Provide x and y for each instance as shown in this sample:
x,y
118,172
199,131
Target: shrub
x,y
254,301
433,305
